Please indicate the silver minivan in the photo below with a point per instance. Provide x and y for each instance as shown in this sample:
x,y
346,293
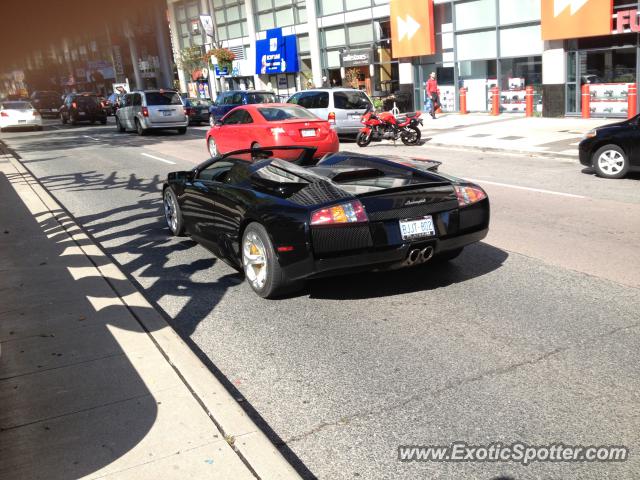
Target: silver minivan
x,y
152,109
342,107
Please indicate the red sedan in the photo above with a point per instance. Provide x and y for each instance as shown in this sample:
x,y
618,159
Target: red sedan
x,y
271,125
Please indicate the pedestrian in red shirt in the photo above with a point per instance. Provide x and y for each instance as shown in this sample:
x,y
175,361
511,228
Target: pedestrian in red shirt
x,y
432,93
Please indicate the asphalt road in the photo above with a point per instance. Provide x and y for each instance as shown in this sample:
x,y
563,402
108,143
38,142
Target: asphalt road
x,y
531,335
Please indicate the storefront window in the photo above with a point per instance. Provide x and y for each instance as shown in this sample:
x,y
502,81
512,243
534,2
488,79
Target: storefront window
x,y
476,14
515,75
477,77
360,34
521,41
356,4
472,46
519,11
608,74
284,17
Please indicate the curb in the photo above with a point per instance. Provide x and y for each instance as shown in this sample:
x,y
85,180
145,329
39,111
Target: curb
x,y
253,447
564,156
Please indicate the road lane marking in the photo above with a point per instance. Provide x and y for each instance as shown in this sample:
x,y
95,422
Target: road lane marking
x,y
92,138
538,190
158,158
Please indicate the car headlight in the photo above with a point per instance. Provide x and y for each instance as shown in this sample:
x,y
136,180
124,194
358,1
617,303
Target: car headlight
x,y
590,134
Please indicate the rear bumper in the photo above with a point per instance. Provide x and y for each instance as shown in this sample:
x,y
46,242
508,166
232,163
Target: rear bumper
x,y
34,122
348,130
147,124
378,259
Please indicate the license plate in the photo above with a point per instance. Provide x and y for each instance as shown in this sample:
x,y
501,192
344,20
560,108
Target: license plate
x,y
417,228
355,117
82,114
308,133
22,121
167,113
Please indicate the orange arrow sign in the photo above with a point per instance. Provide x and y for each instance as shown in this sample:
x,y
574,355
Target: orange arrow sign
x,y
412,31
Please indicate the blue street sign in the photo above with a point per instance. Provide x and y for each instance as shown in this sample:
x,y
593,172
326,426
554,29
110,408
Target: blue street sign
x,y
277,53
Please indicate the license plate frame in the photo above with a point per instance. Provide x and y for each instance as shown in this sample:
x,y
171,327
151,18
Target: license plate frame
x,y
308,133
417,228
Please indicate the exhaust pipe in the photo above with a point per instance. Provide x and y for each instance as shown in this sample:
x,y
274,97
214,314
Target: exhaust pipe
x,y
413,256
426,254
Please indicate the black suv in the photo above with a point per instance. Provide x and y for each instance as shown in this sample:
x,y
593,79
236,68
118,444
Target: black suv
x,y
46,102
82,107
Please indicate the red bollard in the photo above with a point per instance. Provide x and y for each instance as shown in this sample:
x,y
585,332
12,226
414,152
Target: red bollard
x,y
632,101
586,101
463,101
529,101
495,101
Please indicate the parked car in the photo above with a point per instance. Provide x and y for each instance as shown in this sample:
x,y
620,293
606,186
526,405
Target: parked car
x,y
271,124
282,222
152,110
46,102
19,114
227,101
197,109
342,107
82,107
612,150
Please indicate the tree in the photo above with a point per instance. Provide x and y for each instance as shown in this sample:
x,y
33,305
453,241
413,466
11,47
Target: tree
x,y
191,58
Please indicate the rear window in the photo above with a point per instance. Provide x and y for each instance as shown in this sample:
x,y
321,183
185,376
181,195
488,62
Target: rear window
x,y
199,102
355,100
313,100
164,98
16,106
278,114
261,98
86,100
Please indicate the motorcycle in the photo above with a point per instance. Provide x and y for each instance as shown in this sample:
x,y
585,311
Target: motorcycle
x,y
385,126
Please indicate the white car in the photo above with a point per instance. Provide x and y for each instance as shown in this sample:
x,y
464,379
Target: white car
x,y
19,114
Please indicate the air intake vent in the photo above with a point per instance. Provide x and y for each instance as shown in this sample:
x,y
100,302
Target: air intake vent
x,y
239,51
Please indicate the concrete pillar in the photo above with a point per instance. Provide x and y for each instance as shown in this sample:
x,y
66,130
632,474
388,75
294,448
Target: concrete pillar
x,y
314,42
554,74
133,49
164,53
175,44
251,32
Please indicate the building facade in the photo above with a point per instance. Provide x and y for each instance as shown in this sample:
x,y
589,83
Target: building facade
x,y
552,45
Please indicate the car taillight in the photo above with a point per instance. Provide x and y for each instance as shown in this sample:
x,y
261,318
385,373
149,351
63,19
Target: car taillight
x,y
4,114
344,213
332,118
74,105
145,112
468,195
188,111
277,131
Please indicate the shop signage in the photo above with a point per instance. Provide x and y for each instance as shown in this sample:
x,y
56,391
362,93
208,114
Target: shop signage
x,y
563,19
222,72
412,32
276,53
627,20
207,24
357,58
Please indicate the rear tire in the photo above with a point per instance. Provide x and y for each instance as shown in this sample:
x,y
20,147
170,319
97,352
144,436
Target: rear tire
x,y
411,138
63,119
141,131
182,130
260,263
610,161
119,126
363,140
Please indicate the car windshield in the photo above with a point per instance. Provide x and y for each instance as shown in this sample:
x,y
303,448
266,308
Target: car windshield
x,y
163,98
261,98
16,106
200,102
351,100
278,114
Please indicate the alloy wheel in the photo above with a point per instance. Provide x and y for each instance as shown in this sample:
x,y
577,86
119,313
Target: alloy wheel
x,y
254,260
611,162
170,213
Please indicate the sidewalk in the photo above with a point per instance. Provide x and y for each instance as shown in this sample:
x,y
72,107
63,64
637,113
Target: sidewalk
x,y
93,382
509,132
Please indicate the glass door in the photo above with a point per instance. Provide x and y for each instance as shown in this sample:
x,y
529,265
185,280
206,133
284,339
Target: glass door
x,y
573,92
